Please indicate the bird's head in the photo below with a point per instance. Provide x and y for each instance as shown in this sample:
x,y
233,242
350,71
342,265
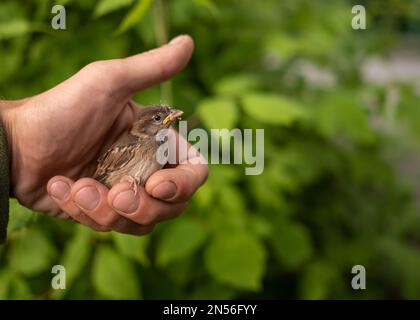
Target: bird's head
x,y
153,119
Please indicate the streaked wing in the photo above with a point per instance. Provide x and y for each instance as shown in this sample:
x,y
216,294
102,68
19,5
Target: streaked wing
x,y
114,159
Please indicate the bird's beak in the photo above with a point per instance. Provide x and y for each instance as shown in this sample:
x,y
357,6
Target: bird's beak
x,y
172,116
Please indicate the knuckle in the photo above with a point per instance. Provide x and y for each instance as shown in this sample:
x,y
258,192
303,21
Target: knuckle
x,y
109,72
78,216
106,220
116,67
146,218
146,213
97,66
93,67
81,183
61,215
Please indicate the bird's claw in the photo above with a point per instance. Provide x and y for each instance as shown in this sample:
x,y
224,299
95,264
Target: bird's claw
x,y
132,181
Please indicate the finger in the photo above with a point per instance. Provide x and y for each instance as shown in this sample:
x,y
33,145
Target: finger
x,y
178,184
90,197
59,189
147,210
129,227
146,69
120,79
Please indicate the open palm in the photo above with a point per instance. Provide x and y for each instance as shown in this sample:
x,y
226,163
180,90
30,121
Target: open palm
x,y
56,137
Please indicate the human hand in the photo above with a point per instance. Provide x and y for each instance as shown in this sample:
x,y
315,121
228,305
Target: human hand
x,y
55,139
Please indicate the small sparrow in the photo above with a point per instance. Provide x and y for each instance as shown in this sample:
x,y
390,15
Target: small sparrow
x,y
132,157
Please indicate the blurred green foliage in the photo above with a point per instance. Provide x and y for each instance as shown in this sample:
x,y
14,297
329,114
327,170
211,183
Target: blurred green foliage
x,y
340,185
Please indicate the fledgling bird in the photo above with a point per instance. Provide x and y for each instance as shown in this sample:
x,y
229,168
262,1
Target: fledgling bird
x,y
132,157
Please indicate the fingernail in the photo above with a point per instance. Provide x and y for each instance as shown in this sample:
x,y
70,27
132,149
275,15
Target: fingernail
x,y
177,40
87,198
164,190
59,190
126,202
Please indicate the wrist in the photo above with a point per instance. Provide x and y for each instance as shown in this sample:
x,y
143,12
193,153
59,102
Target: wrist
x,y
4,174
5,107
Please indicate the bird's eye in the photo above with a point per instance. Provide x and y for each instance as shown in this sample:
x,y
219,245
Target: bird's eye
x,y
157,117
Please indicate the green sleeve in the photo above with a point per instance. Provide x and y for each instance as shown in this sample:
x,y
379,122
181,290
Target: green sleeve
x,y
4,185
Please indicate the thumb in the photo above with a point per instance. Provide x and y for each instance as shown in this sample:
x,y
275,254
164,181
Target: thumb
x,y
122,78
146,69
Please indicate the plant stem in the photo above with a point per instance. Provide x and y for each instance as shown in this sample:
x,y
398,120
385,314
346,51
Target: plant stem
x,y
161,34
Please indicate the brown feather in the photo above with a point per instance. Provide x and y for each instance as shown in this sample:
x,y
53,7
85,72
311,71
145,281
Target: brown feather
x,y
134,153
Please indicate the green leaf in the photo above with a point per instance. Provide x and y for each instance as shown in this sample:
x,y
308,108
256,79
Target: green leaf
x,y
180,272
224,174
209,5
292,245
237,84
231,200
10,63
218,113
341,113
106,6
204,196
13,28
260,226
12,286
181,239
75,257
114,275
272,109
20,216
76,253
317,281
19,289
236,259
402,264
5,280
133,247
134,16
213,291
281,45
32,254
